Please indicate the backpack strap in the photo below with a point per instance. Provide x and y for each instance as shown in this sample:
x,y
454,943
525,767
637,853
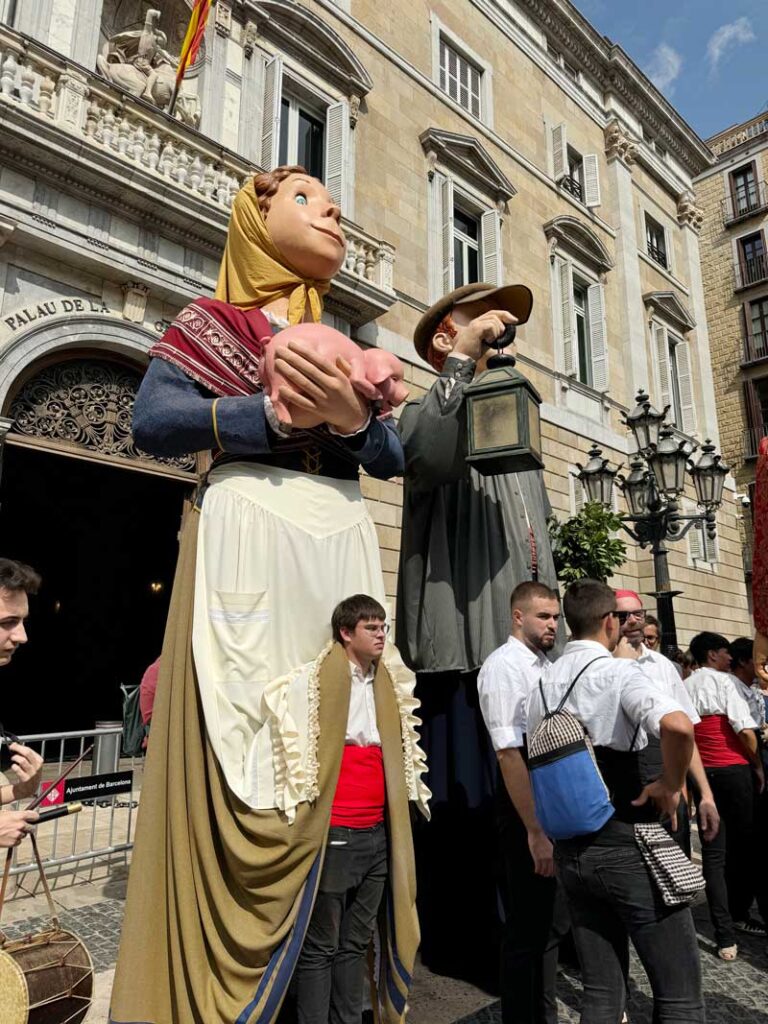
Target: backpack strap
x,y
579,674
634,738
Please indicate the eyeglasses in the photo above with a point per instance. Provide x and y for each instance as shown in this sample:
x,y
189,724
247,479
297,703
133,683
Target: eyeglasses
x,y
606,614
637,613
381,627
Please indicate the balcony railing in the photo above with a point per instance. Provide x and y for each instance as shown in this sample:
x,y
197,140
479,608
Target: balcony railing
x,y
733,137
755,347
741,203
751,271
752,438
573,186
658,254
129,146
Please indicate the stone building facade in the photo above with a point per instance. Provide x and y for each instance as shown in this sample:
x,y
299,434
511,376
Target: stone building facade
x,y
503,140
732,195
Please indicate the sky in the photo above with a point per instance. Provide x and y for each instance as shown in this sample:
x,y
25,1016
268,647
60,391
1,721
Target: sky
x,y
708,57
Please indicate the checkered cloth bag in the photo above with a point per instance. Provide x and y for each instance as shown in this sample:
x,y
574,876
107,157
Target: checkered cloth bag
x,y
678,878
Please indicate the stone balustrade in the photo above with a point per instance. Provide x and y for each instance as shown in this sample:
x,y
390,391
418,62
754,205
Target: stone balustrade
x,y
83,104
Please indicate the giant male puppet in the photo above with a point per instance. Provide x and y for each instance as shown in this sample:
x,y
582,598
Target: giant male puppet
x,y
249,720
467,541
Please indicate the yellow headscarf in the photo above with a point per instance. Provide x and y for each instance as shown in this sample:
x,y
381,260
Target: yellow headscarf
x,y
253,272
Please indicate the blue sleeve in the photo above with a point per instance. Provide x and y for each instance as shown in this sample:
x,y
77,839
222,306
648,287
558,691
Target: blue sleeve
x,y
379,449
172,416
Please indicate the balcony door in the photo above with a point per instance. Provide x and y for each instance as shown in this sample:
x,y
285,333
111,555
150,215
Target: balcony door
x,y
744,190
752,258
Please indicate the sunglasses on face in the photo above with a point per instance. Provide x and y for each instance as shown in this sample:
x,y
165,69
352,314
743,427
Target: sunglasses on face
x,y
637,613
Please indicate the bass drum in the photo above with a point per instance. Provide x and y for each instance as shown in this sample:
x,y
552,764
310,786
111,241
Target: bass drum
x,y
45,978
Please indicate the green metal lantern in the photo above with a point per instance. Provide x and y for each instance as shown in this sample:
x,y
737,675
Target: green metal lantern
x,y
503,420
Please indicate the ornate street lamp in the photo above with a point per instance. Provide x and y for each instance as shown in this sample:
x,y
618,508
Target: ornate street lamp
x,y
645,422
667,461
597,477
636,487
503,420
709,475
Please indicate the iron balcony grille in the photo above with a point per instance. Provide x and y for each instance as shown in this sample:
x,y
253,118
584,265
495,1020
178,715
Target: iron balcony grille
x,y
752,438
744,202
573,186
658,254
751,271
755,347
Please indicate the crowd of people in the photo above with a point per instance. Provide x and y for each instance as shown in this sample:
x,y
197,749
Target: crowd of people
x,y
667,748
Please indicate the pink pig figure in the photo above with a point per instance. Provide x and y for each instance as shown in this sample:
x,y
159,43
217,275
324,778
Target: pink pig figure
x,y
375,374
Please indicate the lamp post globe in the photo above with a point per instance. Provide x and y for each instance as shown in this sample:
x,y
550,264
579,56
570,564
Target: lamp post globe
x,y
636,487
597,477
709,474
667,461
645,422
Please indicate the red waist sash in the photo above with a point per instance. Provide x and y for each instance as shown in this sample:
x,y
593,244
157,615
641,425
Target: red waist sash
x,y
718,744
360,791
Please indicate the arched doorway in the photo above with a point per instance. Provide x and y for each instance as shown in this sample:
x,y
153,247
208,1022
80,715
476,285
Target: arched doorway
x,y
99,520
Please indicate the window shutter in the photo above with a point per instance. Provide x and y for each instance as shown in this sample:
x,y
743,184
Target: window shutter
x,y
597,337
559,151
564,273
270,129
695,537
752,407
661,344
578,498
490,235
730,191
337,152
591,180
685,384
446,236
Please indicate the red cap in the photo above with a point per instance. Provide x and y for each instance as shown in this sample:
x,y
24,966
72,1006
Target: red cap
x,y
627,593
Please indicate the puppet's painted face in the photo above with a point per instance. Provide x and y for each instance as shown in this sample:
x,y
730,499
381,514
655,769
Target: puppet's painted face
x,y
305,225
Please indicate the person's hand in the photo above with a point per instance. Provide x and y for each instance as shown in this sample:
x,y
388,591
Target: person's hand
x,y
665,799
542,853
28,766
760,655
320,388
471,340
709,819
624,649
14,825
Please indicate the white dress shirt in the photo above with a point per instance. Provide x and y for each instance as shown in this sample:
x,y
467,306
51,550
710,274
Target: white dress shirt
x,y
663,672
611,698
715,693
361,720
503,686
753,698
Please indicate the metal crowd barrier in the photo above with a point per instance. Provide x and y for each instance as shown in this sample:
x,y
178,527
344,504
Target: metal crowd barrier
x,y
104,828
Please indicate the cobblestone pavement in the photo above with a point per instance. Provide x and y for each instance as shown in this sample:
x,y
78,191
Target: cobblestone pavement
x,y
736,993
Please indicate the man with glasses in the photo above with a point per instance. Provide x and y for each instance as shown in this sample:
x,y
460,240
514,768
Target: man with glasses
x,y
663,673
652,633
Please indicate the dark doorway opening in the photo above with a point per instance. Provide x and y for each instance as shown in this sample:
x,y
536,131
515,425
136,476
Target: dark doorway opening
x,y
105,541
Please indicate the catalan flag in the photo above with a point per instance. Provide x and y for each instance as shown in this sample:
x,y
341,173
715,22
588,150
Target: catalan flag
x,y
193,38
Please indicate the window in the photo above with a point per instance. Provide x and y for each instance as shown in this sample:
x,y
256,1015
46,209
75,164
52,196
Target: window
x,y
674,380
466,248
752,258
460,78
756,315
756,406
556,57
302,137
581,326
701,547
583,341
656,241
300,126
576,174
744,190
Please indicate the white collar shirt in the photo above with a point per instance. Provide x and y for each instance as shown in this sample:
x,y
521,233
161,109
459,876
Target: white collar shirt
x,y
362,730
663,672
503,685
614,699
753,698
714,693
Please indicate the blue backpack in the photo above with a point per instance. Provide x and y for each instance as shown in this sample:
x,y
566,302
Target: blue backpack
x,y
569,793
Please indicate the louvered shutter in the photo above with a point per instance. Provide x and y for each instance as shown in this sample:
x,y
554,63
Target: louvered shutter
x,y
337,152
685,386
591,180
559,151
564,280
695,538
490,235
578,497
661,345
598,340
270,131
446,233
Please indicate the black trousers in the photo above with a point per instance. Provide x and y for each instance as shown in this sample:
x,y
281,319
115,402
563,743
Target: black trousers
x,y
328,981
612,899
536,921
730,860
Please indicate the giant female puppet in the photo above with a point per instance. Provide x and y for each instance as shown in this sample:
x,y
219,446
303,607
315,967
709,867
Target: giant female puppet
x,y
249,720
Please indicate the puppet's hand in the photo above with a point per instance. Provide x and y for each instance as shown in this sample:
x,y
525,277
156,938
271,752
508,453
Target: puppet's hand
x,y
760,653
319,388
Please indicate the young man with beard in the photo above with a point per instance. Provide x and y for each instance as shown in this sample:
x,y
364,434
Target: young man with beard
x,y
633,618
535,916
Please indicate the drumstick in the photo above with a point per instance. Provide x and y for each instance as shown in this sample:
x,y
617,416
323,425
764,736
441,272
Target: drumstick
x,y
58,812
39,799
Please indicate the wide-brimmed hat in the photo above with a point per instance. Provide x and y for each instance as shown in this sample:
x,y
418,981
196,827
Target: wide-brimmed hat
x,y
517,299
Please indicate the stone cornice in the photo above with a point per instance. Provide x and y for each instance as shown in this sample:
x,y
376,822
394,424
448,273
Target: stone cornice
x,y
466,155
579,238
670,308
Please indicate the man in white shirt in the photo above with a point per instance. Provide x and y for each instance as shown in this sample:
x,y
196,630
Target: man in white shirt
x,y
611,893
660,669
535,916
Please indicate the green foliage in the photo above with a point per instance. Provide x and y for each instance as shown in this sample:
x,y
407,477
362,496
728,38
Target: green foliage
x,y
586,546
